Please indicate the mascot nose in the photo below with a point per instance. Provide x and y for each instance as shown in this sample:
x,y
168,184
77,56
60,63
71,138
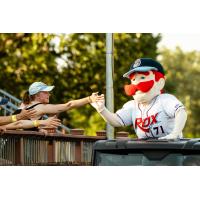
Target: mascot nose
x,y
130,90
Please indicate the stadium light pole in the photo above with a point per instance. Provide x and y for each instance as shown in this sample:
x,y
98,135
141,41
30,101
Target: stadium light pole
x,y
109,81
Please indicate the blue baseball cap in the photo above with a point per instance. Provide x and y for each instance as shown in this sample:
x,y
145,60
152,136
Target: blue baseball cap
x,y
39,87
144,65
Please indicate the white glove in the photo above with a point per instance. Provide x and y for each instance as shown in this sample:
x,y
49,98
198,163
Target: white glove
x,y
99,105
109,117
180,120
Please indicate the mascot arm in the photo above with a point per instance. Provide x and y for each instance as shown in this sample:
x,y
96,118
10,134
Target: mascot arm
x,y
109,117
180,120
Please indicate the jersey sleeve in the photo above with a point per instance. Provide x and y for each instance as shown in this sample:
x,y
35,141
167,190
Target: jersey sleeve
x,y
125,113
171,104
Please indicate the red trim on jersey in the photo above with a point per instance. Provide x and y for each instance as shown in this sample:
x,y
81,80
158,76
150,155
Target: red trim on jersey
x,y
131,89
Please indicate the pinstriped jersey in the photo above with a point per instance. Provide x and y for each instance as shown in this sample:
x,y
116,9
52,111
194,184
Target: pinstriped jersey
x,y
154,120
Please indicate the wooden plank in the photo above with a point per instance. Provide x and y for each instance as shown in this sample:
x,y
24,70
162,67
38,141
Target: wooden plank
x,y
51,151
19,152
78,152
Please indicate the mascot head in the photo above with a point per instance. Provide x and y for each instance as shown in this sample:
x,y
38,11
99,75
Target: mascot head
x,y
147,80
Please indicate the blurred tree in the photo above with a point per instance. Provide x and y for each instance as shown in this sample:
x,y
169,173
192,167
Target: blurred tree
x,y
85,55
25,58
82,71
183,72
74,63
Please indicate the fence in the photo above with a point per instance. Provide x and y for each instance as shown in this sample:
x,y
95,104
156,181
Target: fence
x,y
36,148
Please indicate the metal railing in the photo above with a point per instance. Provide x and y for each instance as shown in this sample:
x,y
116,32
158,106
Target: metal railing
x,y
13,104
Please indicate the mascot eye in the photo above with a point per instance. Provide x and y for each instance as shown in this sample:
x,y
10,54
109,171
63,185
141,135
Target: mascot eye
x,y
142,77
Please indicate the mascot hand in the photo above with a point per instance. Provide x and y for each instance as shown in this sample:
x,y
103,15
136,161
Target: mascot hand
x,y
171,136
99,104
180,119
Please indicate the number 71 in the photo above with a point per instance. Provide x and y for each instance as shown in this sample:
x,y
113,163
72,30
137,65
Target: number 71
x,y
157,129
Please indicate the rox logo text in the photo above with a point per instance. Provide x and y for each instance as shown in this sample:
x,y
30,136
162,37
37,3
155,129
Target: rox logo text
x,y
143,124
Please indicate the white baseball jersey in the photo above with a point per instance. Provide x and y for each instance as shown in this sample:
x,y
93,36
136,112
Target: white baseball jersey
x,y
155,120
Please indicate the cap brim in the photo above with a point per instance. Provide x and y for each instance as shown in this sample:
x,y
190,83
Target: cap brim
x,y
48,88
139,69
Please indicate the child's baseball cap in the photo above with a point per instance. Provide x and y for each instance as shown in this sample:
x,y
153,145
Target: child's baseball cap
x,y
39,87
144,65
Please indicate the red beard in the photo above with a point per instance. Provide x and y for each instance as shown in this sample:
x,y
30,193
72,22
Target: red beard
x,y
131,89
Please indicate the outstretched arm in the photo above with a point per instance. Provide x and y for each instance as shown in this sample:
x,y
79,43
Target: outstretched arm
x,y
109,117
26,124
25,114
180,120
57,108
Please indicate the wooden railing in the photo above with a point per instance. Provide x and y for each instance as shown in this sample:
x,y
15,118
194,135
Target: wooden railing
x,y
36,148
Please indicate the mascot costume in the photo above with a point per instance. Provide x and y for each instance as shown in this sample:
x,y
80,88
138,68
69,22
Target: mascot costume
x,y
152,113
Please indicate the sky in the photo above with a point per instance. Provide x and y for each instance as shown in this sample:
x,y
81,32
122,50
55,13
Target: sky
x,y
187,42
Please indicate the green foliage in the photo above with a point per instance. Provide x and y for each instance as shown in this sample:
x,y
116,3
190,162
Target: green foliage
x,y
25,58
183,72
75,64
86,54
